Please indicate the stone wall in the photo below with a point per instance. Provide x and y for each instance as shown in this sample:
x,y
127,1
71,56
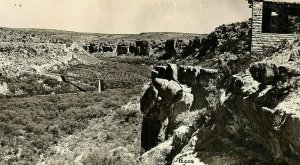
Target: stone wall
x,y
259,39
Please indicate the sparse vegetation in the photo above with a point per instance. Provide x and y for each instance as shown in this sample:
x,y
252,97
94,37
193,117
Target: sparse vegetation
x,y
47,111
37,122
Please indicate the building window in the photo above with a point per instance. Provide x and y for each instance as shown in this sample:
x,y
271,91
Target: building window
x,y
281,18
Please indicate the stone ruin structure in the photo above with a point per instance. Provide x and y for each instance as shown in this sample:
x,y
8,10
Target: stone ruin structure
x,y
274,21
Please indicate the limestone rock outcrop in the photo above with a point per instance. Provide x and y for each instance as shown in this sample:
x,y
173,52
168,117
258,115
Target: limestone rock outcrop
x,y
140,48
175,48
166,98
233,38
96,47
192,114
163,49
170,98
122,48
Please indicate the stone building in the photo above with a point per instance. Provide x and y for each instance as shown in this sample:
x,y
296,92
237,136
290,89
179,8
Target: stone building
x,y
274,21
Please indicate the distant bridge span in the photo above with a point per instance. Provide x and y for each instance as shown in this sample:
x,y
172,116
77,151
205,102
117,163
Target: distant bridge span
x,y
114,76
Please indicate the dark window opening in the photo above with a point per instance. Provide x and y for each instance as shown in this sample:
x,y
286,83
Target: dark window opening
x,y
281,18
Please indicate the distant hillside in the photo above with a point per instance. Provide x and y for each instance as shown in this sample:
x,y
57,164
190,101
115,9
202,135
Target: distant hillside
x,y
61,36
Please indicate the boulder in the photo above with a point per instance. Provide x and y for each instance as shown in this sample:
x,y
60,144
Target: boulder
x,y
196,43
149,99
268,73
170,49
140,48
244,84
157,155
162,100
192,75
107,47
175,47
192,47
143,48
91,48
159,72
170,92
295,54
122,48
171,72
133,48
264,73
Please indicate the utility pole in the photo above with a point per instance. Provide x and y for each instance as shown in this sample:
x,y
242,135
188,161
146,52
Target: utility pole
x,y
99,85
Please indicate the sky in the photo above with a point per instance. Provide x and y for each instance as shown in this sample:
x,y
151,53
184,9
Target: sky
x,y
123,16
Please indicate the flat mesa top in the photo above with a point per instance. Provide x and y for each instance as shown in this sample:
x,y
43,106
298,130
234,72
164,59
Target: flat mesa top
x,y
277,1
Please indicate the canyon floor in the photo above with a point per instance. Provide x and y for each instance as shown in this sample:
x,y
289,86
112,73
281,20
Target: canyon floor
x,y
51,125
51,111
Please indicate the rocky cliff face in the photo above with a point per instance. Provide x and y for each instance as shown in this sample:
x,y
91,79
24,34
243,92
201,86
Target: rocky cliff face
x,y
233,38
193,114
163,49
144,44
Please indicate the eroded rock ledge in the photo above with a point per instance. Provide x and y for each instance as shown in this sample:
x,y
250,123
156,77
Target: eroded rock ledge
x,y
252,119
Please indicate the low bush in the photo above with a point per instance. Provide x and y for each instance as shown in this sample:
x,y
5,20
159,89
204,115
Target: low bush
x,y
42,120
